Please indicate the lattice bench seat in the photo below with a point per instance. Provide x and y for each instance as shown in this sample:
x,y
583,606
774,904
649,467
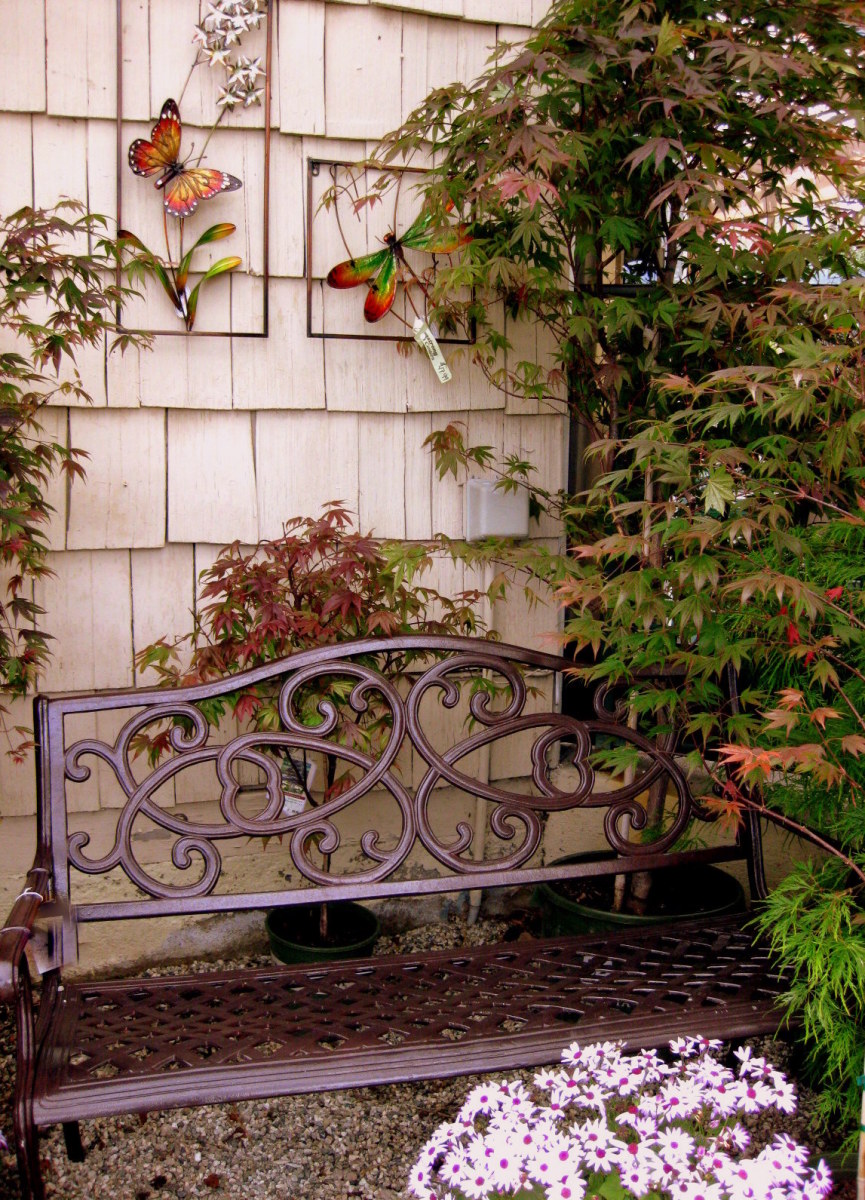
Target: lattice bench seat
x,y
421,823
136,1045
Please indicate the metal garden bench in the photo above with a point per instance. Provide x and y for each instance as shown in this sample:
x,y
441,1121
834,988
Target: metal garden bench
x,y
133,1045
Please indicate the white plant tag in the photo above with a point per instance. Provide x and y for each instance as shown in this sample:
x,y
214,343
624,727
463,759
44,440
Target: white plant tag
x,y
424,337
292,805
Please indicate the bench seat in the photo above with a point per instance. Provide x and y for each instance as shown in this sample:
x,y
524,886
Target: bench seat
x,y
141,1044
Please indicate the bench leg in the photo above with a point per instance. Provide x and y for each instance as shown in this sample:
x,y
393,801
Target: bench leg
x,y
24,1127
27,1150
72,1138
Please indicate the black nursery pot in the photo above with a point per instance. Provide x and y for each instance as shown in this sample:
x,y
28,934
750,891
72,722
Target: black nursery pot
x,y
294,932
678,894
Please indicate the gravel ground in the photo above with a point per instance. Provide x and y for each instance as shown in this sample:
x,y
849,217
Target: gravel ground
x,y
329,1146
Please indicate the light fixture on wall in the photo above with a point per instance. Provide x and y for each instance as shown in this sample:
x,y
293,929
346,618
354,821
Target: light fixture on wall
x,y
490,511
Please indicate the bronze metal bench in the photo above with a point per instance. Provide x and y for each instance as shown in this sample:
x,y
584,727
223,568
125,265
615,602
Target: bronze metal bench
x,y
133,1045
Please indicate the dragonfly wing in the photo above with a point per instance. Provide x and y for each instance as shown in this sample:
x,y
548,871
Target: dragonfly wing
x,y
357,270
421,224
381,293
441,241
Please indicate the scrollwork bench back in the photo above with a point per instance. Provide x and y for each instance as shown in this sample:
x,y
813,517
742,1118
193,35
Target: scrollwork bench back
x,y
375,708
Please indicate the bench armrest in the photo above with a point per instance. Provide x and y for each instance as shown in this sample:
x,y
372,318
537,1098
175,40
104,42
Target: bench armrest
x,y
18,929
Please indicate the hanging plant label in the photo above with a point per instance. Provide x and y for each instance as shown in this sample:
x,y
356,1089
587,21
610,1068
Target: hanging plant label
x,y
292,804
424,337
297,775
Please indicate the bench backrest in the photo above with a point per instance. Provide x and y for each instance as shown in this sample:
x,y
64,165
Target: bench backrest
x,y
494,843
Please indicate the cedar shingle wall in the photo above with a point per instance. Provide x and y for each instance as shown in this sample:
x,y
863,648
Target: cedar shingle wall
x,y
202,440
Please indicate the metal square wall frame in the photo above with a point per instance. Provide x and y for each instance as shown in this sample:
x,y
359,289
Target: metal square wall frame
x,y
121,160
314,168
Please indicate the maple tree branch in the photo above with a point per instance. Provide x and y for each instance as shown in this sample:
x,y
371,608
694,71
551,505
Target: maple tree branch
x,y
800,830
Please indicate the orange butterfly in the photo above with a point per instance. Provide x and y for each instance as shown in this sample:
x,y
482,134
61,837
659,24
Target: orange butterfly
x,y
183,186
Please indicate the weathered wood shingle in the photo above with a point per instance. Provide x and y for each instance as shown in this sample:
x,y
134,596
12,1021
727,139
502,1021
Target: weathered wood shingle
x,y
122,503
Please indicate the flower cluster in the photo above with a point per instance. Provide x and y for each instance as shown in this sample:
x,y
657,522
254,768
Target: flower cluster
x,y
623,1125
219,30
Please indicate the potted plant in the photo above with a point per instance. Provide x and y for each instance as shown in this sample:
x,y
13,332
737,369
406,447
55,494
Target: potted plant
x,y
671,193
320,582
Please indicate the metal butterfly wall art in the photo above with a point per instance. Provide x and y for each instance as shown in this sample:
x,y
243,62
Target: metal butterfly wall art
x,y
382,267
182,186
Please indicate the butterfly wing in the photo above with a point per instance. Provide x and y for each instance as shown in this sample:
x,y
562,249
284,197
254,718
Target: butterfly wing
x,y
163,150
379,300
357,270
184,188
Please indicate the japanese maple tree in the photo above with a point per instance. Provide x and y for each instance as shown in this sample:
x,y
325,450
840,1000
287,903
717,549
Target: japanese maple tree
x,y
673,194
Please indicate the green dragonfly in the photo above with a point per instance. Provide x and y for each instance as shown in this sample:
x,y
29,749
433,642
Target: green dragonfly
x,y
383,266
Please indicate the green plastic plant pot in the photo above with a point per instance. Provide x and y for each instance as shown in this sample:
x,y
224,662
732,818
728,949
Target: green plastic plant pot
x,y
690,892
293,932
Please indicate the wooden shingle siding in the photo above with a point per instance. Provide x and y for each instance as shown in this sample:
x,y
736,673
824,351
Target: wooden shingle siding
x,y
136,61
89,605
362,71
513,12
59,159
170,29
435,8
23,25
89,363
192,373
101,169
287,199
55,428
365,376
513,35
418,477
523,337
205,440
17,794
446,493
81,57
285,370
211,476
543,441
302,461
301,67
163,591
381,462
437,52
16,178
123,501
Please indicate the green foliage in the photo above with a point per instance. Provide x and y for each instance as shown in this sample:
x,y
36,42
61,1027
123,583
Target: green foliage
x,y
813,920
57,295
618,171
673,193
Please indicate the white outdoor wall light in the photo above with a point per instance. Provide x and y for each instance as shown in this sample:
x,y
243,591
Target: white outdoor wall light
x,y
492,512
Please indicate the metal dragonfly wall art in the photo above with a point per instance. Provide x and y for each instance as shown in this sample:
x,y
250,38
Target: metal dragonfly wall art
x,y
383,269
